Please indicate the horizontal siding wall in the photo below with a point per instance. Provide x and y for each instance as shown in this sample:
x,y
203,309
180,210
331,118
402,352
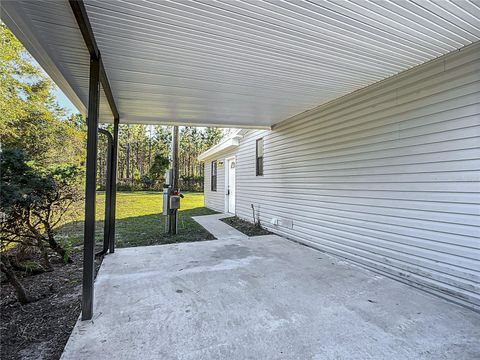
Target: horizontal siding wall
x,y
215,200
387,176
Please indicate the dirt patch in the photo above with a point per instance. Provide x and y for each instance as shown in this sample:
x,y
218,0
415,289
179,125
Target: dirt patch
x,y
245,227
40,330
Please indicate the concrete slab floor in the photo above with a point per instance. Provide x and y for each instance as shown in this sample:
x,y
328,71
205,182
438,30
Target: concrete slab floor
x,y
262,298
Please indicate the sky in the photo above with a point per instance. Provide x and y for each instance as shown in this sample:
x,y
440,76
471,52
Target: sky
x,y
62,99
64,102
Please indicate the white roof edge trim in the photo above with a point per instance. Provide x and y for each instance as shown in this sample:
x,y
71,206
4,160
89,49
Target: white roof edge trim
x,y
226,145
25,36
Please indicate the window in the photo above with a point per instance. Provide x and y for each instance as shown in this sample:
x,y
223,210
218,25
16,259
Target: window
x,y
213,177
259,167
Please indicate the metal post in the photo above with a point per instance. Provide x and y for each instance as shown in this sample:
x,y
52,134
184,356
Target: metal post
x,y
175,161
89,229
108,193
114,185
172,223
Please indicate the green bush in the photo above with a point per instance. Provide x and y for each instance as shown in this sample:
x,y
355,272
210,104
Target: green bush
x,y
124,186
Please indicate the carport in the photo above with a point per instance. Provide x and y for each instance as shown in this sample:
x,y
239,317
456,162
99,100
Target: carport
x,y
244,64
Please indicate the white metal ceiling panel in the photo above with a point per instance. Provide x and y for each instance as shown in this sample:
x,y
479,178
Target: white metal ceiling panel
x,y
245,63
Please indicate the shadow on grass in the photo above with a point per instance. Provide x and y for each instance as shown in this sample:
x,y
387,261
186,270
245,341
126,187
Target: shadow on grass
x,y
142,230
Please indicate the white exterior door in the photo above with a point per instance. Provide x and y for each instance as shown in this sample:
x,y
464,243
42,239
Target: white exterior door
x,y
231,163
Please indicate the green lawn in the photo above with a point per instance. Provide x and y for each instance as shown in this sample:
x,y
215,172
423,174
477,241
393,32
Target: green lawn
x,y
140,221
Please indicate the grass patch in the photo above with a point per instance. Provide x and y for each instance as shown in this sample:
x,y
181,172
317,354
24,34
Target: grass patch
x,y
245,227
139,221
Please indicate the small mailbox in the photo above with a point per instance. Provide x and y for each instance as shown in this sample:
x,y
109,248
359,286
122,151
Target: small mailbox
x,y
174,202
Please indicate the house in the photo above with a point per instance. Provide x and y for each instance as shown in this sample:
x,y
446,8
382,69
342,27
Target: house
x,y
386,176
384,172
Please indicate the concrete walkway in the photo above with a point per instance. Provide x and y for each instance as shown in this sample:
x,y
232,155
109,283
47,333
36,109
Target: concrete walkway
x,y
218,228
262,298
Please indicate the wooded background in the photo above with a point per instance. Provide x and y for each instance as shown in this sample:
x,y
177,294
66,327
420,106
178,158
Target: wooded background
x,y
144,152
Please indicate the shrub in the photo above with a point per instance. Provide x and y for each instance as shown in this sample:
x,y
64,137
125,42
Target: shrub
x,y
33,202
123,185
147,182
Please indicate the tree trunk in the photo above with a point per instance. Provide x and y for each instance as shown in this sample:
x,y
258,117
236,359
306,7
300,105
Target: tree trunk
x,y
6,268
57,247
127,162
43,251
140,160
127,155
150,148
100,170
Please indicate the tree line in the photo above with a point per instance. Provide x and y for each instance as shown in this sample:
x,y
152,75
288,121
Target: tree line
x,y
144,156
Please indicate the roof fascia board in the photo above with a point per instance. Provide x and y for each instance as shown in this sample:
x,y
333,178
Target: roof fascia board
x,y
80,13
228,144
108,91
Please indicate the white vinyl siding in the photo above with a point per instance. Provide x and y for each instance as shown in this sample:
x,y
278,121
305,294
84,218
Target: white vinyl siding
x,y
215,200
387,176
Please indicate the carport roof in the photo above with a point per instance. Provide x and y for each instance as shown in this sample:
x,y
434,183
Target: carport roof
x,y
247,64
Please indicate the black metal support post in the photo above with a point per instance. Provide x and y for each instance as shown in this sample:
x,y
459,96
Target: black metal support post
x,y
113,186
89,230
173,217
108,193
97,75
175,161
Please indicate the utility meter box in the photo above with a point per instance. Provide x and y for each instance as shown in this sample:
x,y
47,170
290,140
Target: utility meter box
x,y
174,202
